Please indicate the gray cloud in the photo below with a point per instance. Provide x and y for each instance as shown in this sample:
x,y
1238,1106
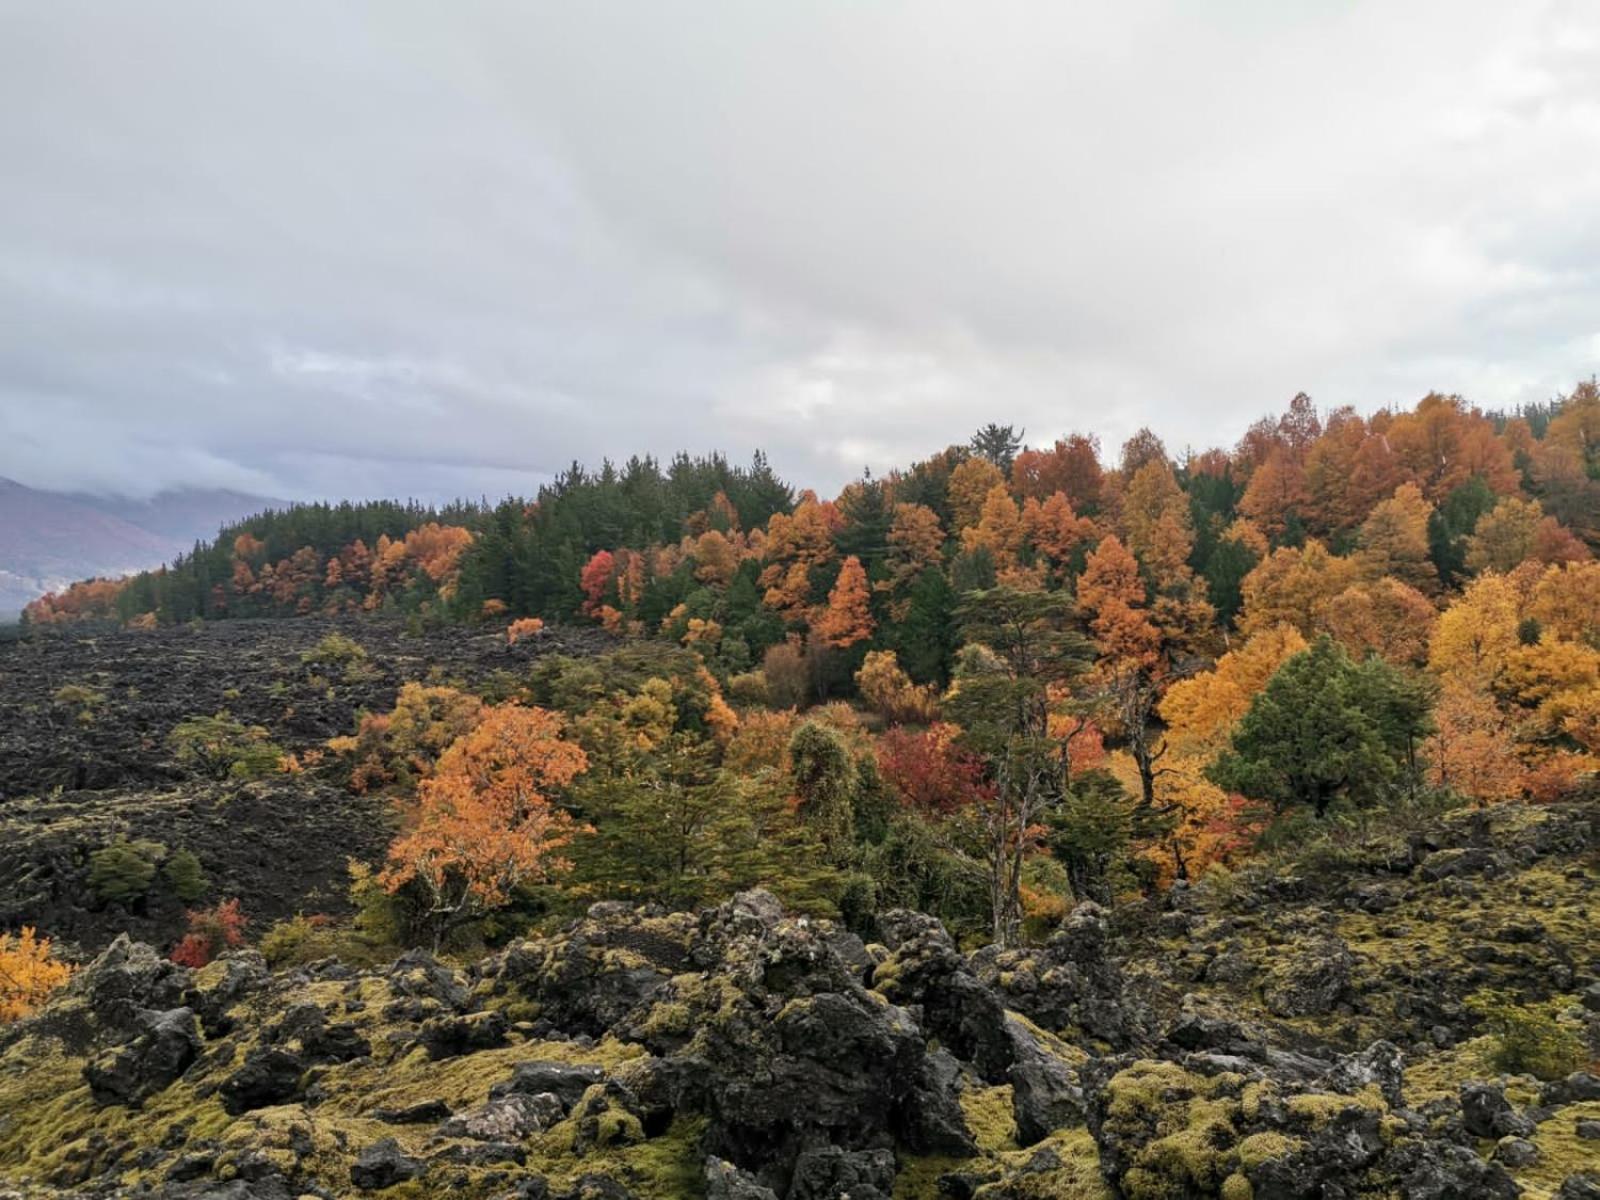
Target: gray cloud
x,y
430,249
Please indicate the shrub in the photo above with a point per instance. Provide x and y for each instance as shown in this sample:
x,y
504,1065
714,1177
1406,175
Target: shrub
x,y
211,931
184,875
1528,1039
334,649
123,871
523,627
80,695
402,746
222,747
889,692
787,674
29,972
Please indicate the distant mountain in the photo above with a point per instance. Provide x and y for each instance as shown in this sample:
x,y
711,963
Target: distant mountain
x,y
49,539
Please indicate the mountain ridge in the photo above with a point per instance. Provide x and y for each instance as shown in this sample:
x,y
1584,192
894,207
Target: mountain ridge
x,y
48,539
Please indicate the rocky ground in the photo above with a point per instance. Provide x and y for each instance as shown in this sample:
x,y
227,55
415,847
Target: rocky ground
x,y
1286,1033
85,760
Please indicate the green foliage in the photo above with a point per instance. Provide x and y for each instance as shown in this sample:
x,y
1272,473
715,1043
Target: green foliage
x,y
122,872
915,867
1092,831
78,695
1528,1038
998,443
824,778
1325,729
184,876
335,649
221,748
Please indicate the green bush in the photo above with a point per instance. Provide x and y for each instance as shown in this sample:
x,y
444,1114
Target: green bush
x,y
222,747
1528,1039
184,876
122,872
335,648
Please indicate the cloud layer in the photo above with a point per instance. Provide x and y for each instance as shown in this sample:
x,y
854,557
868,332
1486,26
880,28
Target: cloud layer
x,y
428,249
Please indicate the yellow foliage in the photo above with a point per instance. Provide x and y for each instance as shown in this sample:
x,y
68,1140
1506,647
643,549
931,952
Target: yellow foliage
x,y
28,973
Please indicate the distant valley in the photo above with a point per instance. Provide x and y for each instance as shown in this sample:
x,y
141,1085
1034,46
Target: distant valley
x,y
48,539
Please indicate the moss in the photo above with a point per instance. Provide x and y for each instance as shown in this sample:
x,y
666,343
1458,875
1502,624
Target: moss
x,y
669,1167
1237,1187
1264,1147
990,1117
1320,1109
1561,1151
1075,1176
1198,1156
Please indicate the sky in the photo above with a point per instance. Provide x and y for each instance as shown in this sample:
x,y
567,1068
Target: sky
x,y
390,248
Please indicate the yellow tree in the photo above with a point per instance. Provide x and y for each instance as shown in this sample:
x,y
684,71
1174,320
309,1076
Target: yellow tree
x,y
999,528
970,485
29,972
1290,584
916,542
1155,514
1394,539
1475,636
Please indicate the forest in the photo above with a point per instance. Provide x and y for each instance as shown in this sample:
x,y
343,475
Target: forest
x,y
1001,679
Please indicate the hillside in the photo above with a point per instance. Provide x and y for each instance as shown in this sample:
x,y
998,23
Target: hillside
x,y
48,539
1015,827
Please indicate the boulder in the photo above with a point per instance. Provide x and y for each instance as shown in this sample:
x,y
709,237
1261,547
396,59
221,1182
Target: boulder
x,y
829,1173
507,1118
567,1082
382,1165
269,1076
724,1181
132,1072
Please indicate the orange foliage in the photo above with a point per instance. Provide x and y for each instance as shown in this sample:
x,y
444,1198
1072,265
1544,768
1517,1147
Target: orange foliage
x,y
89,599
523,627
485,822
1112,594
795,544
847,619
1385,618
29,972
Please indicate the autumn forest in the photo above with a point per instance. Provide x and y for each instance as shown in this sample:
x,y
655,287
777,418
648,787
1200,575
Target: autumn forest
x,y
1001,679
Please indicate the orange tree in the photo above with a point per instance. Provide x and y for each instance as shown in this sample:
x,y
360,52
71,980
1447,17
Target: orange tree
x,y
485,822
28,973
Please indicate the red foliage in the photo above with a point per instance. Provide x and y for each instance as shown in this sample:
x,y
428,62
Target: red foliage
x,y
597,573
929,772
211,931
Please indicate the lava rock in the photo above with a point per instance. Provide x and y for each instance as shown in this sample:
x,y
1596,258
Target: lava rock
x,y
131,1073
830,1172
566,1081
511,1117
269,1076
447,1037
724,1181
382,1165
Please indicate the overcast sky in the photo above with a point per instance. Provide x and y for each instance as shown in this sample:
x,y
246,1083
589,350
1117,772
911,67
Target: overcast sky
x,y
434,249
